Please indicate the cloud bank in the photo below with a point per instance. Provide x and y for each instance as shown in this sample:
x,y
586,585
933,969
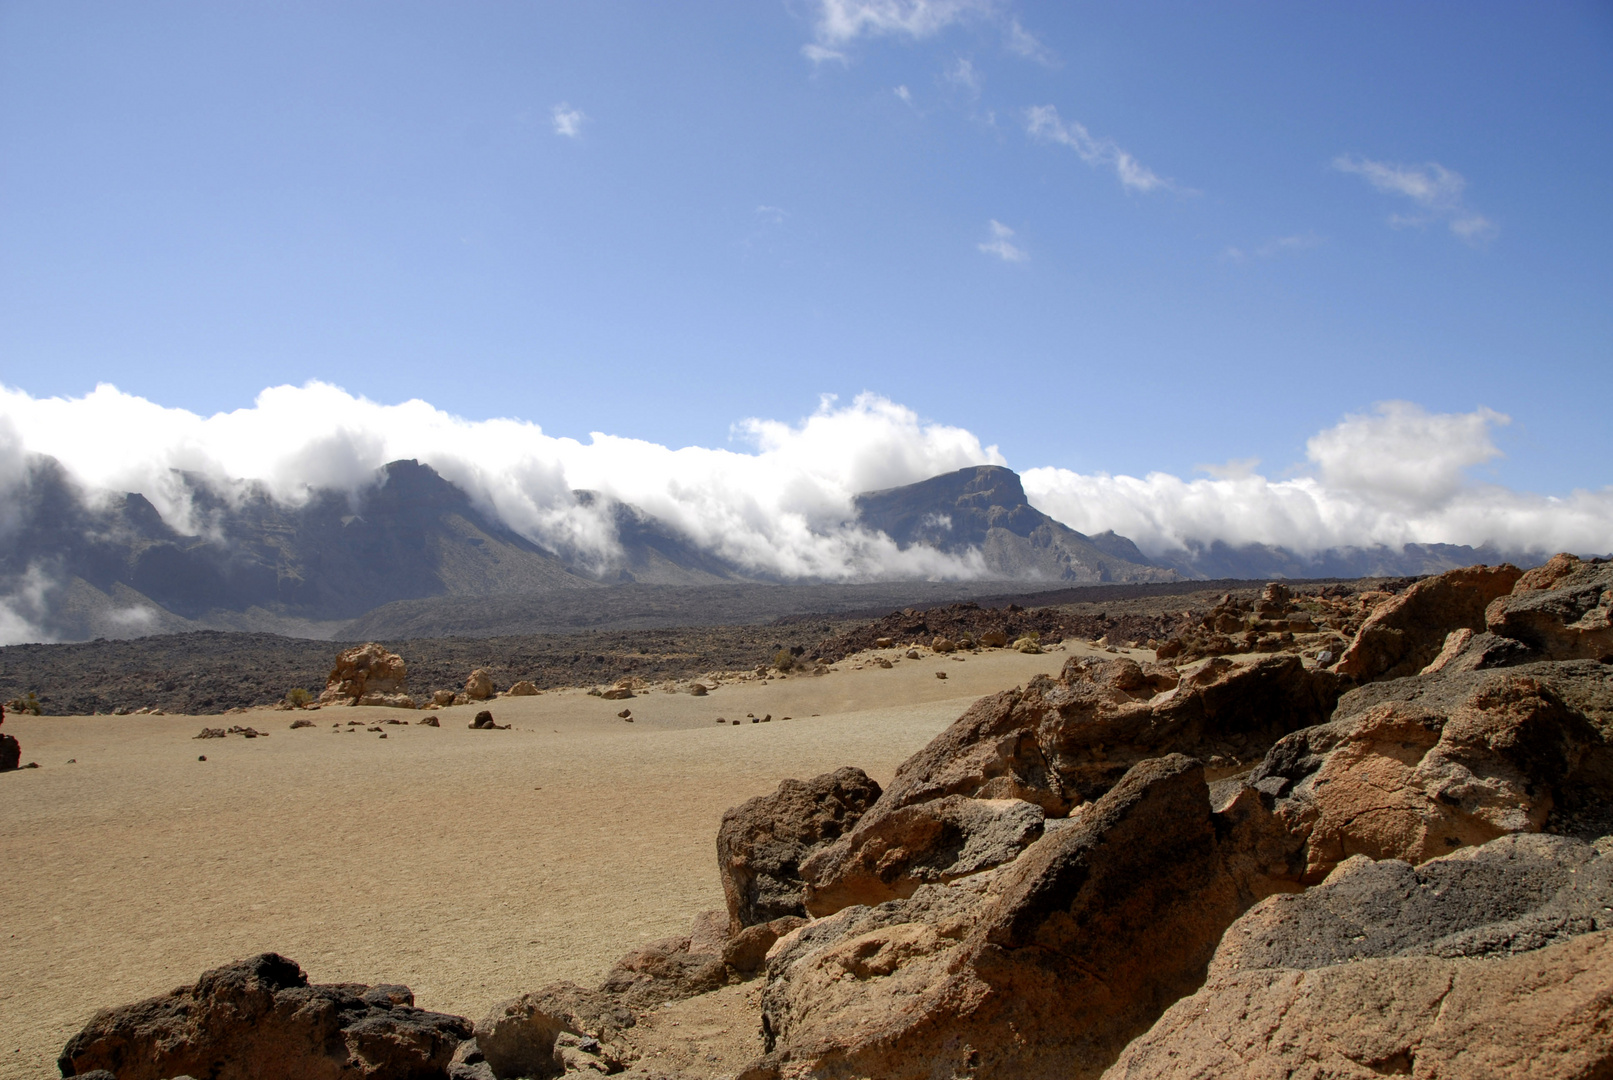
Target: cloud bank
x,y
1398,475
780,502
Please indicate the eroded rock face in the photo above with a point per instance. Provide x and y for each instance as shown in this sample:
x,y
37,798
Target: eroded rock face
x,y
518,1039
365,670
1056,745
260,1018
1414,769
1405,633
925,843
1496,961
1561,611
761,843
1043,968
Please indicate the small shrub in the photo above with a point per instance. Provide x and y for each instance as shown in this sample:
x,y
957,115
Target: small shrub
x,y
298,696
783,660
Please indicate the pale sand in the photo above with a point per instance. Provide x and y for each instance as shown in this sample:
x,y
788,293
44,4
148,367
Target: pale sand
x,y
469,865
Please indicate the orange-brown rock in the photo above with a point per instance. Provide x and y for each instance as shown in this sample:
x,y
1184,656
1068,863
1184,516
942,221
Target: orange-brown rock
x,y
1542,1015
524,688
479,685
261,1018
364,670
1567,615
519,1037
930,842
761,843
1404,635
1464,757
1495,961
1044,968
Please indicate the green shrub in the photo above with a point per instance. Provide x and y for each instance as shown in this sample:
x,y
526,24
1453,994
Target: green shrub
x,y
298,696
783,660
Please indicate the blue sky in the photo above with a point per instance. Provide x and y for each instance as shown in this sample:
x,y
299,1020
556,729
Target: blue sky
x,y
1103,238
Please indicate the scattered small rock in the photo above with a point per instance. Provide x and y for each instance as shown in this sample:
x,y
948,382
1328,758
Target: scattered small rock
x,y
429,721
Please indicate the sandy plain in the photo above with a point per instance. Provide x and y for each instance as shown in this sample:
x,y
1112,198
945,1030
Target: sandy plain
x,y
470,865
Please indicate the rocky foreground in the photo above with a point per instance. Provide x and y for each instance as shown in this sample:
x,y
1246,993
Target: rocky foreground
x,y
1285,859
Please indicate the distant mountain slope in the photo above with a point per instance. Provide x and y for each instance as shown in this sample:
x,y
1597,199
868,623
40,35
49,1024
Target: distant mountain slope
x,y
984,507
1219,560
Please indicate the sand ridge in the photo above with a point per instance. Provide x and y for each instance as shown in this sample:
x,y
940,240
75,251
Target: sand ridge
x,y
470,865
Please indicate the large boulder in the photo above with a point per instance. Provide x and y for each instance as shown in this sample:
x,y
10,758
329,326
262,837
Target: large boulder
x,y
1056,745
1416,768
261,1018
365,670
1043,968
479,685
1561,611
1495,961
1407,632
10,753
761,843
519,1037
925,843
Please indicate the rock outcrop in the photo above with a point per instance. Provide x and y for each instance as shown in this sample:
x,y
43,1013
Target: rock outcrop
x,y
1055,745
366,671
762,843
1561,611
1406,633
261,1017
518,1039
10,748
1045,968
1495,961
1416,768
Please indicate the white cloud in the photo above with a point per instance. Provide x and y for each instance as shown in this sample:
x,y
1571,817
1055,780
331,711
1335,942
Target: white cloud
x,y
963,74
568,121
1022,42
1000,245
820,54
780,503
1436,189
778,508
1281,245
843,21
904,93
1398,475
1043,122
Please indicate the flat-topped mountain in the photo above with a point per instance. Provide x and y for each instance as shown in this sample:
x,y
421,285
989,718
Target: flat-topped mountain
x,y
985,508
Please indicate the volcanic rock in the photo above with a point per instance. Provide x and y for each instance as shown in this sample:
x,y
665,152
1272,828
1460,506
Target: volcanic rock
x,y
518,1039
361,670
1046,968
1404,635
1494,961
1416,768
936,841
479,685
1561,611
761,843
261,1017
524,688
484,722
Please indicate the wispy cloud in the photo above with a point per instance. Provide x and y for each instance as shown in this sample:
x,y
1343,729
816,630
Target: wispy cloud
x,y
1282,245
1043,122
1437,190
841,22
821,54
904,93
1001,244
1021,42
964,75
568,121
